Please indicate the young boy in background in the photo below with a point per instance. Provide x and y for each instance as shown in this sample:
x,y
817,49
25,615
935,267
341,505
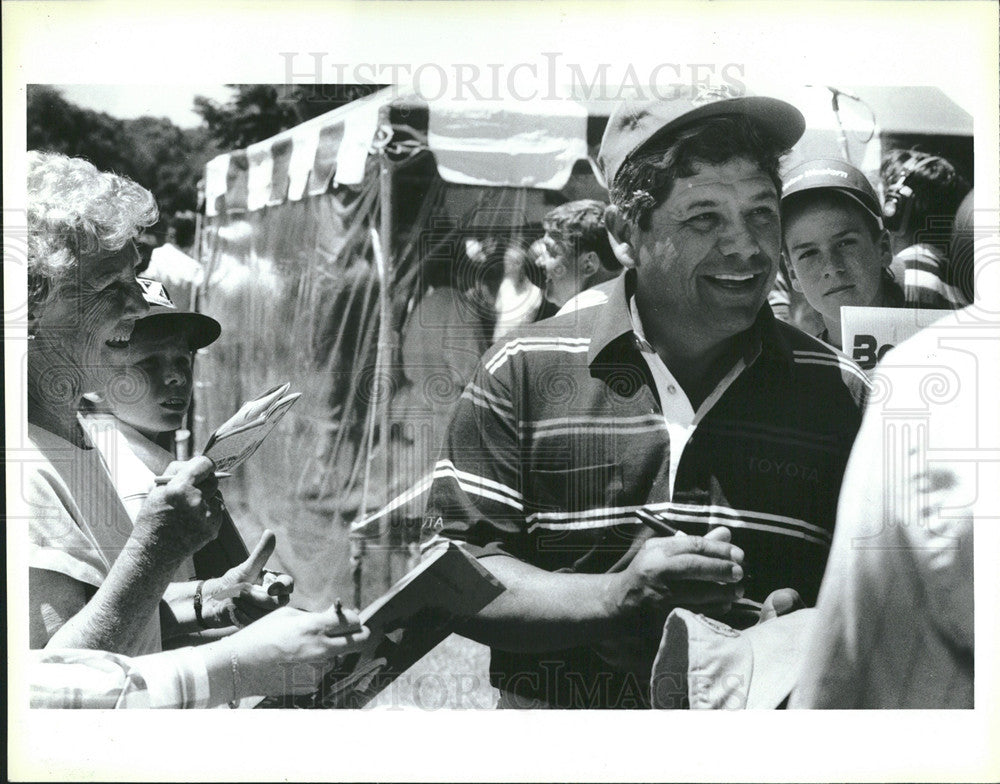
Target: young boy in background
x,y
835,246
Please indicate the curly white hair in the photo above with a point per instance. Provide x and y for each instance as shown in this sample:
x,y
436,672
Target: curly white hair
x,y
75,210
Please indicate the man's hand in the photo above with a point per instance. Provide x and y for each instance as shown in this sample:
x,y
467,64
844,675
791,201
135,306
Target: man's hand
x,y
247,592
695,572
175,519
698,573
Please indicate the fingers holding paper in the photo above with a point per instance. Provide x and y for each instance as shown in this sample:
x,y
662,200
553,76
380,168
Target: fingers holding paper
x,y
290,650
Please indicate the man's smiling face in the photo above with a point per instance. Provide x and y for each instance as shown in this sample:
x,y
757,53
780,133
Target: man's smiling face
x,y
709,256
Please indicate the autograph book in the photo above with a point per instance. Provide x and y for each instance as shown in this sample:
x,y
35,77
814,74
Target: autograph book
x,y
415,615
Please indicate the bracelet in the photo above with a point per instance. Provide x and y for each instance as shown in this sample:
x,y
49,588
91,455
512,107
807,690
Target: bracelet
x,y
197,605
233,664
233,620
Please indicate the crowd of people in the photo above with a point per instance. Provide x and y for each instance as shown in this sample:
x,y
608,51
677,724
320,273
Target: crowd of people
x,y
639,435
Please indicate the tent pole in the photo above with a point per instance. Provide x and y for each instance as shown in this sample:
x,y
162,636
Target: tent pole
x,y
381,383
385,341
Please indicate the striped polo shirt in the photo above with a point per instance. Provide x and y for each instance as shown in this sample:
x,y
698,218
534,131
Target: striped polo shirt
x,y
562,434
927,278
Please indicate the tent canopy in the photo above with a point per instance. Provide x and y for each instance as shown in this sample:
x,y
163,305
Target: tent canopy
x,y
923,111
524,144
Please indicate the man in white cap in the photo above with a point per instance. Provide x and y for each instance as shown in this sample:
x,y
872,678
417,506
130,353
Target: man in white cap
x,y
680,394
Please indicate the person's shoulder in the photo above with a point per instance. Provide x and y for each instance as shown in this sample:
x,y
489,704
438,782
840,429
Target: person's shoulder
x,y
830,366
587,298
571,322
45,445
921,253
565,334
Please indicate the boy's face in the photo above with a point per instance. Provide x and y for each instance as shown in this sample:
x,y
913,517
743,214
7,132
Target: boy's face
x,y
833,258
150,386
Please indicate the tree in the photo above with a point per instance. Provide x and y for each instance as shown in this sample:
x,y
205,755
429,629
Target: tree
x,y
60,126
259,111
153,151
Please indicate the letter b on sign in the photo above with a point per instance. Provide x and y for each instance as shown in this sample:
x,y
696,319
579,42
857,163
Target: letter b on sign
x,y
867,352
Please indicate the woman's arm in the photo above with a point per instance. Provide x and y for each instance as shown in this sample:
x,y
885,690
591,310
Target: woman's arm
x,y
173,525
254,662
114,619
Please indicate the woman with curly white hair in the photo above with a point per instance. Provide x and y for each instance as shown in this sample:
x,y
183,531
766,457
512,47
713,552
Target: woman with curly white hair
x,y
94,580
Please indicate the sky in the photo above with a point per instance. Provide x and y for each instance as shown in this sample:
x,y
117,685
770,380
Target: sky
x,y
126,101
175,101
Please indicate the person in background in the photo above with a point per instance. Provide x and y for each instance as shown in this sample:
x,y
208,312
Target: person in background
x,y
837,251
894,621
147,243
173,262
448,329
181,232
680,393
922,195
443,336
961,253
147,393
576,253
519,301
780,297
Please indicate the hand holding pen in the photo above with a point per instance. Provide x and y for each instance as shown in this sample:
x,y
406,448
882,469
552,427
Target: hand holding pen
x,y
722,534
165,478
702,573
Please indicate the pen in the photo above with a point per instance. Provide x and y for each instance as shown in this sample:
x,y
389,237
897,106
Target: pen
x,y
657,523
654,523
162,480
339,608
661,527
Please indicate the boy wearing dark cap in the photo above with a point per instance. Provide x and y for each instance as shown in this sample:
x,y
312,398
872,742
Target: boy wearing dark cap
x,y
147,391
837,251
680,394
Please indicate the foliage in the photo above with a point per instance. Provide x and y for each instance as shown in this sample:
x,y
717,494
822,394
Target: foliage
x,y
153,151
168,160
258,111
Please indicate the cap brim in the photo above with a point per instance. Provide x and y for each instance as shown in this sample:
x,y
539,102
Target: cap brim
x,y
776,118
779,653
201,330
843,192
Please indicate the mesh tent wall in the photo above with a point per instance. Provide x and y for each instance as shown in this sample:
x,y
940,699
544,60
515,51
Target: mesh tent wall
x,y
292,275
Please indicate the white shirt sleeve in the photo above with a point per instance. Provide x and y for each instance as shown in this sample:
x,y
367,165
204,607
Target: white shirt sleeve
x,y
69,678
175,679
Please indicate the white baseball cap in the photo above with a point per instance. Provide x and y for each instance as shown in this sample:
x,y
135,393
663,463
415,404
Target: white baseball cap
x,y
709,665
